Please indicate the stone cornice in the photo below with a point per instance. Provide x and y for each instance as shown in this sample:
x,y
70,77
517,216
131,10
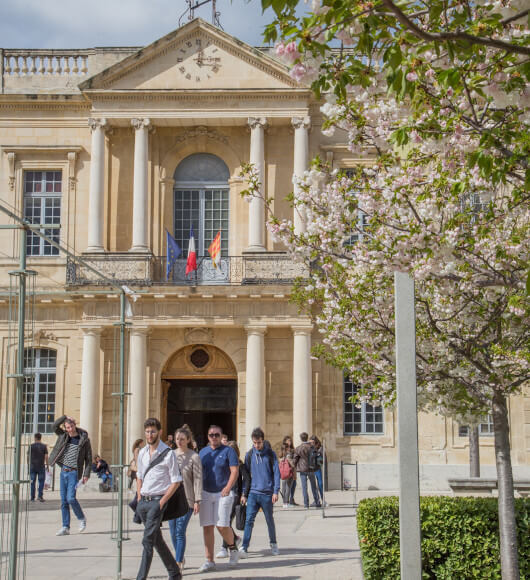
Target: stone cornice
x,y
197,94
41,148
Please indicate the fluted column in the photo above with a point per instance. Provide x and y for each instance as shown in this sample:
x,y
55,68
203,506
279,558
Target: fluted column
x,y
140,185
256,210
137,383
90,374
301,158
302,382
96,194
255,387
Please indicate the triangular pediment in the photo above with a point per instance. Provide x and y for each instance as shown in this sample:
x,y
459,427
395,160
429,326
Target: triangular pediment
x,y
195,56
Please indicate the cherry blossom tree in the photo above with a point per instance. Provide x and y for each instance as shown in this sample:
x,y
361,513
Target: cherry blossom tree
x,y
435,97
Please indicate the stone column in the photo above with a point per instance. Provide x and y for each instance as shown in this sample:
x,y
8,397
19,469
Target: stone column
x,y
301,158
255,387
96,194
137,384
302,382
256,211
90,374
140,185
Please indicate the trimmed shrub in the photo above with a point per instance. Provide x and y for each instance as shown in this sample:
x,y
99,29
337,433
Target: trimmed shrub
x,y
460,538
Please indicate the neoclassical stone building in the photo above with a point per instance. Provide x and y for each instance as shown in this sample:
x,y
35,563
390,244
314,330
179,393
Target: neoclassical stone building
x,y
118,145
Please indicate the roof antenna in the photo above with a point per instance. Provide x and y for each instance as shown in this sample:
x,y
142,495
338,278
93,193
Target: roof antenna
x,y
194,4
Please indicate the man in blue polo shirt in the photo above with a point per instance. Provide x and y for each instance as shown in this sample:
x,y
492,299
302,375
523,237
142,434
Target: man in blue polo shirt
x,y
220,470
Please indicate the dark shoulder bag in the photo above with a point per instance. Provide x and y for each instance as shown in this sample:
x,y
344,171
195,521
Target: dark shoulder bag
x,y
177,505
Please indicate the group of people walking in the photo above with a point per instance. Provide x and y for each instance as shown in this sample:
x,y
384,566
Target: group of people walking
x,y
215,480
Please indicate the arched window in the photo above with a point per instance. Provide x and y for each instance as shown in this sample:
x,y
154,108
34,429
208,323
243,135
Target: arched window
x,y
40,371
202,201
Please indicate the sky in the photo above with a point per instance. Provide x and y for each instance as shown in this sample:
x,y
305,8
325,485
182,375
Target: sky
x,y
87,24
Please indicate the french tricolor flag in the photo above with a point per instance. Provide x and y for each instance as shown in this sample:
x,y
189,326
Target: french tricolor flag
x,y
191,263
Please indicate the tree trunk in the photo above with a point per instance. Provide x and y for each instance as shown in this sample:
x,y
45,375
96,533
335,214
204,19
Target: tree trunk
x,y
507,525
474,451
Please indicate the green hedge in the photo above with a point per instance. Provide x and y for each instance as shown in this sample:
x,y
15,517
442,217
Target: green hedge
x,y
460,538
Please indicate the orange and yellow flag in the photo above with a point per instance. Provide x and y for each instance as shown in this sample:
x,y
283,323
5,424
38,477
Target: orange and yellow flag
x,y
215,249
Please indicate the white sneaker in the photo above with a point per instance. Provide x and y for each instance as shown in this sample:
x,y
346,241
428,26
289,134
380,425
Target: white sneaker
x,y
207,566
243,553
82,525
63,532
234,557
274,550
223,553
286,506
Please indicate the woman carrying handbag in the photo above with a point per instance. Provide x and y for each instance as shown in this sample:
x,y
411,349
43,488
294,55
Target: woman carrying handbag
x,y
191,469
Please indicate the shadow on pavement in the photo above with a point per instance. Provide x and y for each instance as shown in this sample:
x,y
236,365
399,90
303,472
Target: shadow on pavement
x,y
55,504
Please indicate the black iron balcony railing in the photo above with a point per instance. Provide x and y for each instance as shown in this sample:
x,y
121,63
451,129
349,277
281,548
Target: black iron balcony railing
x,y
146,270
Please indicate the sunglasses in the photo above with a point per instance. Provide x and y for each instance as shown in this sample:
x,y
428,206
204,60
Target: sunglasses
x,y
214,434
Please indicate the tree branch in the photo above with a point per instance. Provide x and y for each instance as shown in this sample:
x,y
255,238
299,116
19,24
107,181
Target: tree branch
x,y
444,36
515,17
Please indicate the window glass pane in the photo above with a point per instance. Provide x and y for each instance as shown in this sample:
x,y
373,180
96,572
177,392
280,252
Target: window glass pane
x,y
39,390
202,167
206,207
42,205
360,420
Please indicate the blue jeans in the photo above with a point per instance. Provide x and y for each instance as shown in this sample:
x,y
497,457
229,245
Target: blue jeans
x,y
177,530
318,475
254,502
312,479
68,482
106,477
33,474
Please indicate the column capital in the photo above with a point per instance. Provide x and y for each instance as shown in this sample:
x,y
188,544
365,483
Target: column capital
x,y
140,330
256,329
257,122
97,123
302,329
91,330
301,122
141,123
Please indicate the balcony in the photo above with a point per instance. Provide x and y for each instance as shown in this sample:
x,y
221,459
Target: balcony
x,y
146,270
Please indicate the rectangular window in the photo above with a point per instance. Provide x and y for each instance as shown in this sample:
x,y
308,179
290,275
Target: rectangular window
x,y
38,413
42,206
485,428
364,420
362,218
208,211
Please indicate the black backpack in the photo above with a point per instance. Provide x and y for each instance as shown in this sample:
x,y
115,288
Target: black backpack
x,y
314,459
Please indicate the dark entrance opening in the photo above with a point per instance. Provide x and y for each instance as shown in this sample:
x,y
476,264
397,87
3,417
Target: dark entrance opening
x,y
201,403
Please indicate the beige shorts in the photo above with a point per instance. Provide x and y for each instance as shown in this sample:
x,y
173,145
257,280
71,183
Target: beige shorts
x,y
215,510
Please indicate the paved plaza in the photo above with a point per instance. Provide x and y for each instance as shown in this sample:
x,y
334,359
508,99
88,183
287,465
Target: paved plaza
x,y
312,547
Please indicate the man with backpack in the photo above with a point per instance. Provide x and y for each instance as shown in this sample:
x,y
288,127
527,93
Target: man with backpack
x,y
306,463
262,465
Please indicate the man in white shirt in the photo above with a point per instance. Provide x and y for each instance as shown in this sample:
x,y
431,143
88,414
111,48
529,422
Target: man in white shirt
x,y
154,489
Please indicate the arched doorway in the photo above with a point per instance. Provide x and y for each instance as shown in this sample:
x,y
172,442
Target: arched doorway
x,y
199,387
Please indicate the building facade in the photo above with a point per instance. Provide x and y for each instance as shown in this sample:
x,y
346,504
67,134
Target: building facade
x,y
108,149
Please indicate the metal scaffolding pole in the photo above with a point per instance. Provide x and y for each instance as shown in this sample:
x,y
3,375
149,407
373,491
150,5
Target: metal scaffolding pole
x,y
19,382
121,414
22,272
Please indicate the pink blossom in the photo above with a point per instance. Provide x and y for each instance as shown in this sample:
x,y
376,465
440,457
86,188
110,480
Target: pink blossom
x,y
298,72
291,52
280,49
412,77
